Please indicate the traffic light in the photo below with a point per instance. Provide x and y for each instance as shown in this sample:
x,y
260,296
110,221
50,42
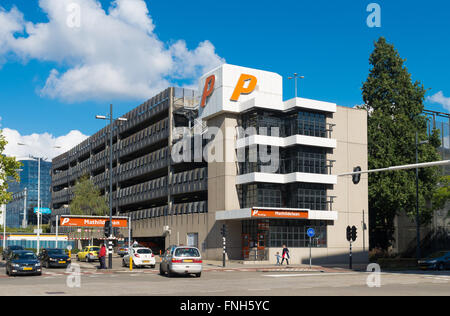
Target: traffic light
x,y
353,233
356,177
107,229
223,230
349,233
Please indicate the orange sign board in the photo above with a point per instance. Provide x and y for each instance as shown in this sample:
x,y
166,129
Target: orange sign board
x,y
91,222
279,214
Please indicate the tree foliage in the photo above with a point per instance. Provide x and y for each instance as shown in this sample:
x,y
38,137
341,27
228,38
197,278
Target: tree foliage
x,y
442,194
87,199
395,105
8,171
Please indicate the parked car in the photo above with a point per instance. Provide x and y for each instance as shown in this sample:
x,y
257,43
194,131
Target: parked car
x,y
122,250
141,257
437,261
7,251
54,257
23,262
88,254
181,260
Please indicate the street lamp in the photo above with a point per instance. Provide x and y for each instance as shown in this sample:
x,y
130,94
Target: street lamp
x,y
417,194
111,121
295,77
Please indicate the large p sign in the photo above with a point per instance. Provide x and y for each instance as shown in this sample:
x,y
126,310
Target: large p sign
x,y
208,89
240,87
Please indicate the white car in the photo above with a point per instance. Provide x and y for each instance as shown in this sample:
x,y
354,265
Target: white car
x,y
141,257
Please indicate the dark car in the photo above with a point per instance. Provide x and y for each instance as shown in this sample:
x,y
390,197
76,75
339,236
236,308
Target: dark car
x,y
54,257
438,261
7,251
23,262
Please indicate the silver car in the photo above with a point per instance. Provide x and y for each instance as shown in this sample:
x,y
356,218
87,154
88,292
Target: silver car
x,y
181,260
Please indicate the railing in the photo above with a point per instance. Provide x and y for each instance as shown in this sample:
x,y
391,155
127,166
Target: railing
x,y
189,181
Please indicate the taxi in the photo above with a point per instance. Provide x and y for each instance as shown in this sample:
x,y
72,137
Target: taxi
x,y
88,254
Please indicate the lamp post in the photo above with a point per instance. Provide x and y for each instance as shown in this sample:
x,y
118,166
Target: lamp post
x,y
418,255
111,121
295,77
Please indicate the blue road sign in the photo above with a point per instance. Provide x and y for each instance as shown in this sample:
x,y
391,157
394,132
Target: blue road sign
x,y
311,232
43,210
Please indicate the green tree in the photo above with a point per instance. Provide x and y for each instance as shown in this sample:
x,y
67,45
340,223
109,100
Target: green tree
x,y
394,105
8,171
442,194
87,199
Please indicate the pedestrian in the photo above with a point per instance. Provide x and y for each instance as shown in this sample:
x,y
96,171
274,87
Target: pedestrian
x,y
102,256
285,255
278,258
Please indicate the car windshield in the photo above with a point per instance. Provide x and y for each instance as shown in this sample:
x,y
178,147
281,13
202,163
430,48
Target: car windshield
x,y
94,249
187,252
25,256
144,251
16,247
56,252
437,254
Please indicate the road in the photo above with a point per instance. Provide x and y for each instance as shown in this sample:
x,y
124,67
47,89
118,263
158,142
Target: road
x,y
223,282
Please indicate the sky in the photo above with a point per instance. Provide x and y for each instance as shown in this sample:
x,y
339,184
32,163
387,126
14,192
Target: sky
x,y
58,68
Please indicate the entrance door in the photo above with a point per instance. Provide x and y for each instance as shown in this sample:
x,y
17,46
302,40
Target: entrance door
x,y
245,245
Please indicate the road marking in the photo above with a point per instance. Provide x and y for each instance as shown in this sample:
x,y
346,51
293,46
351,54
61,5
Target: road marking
x,y
308,274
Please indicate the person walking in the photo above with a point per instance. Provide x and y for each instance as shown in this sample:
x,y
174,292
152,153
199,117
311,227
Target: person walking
x,y
278,258
102,256
285,255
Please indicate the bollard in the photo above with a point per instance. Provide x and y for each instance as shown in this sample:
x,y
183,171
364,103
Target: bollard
x,y
131,263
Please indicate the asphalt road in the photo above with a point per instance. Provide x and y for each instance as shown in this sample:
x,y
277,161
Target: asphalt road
x,y
228,282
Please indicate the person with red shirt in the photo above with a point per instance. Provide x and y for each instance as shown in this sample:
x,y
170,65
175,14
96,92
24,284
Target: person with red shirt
x,y
102,256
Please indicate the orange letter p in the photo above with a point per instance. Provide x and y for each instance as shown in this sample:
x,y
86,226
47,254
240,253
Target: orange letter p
x,y
208,90
240,86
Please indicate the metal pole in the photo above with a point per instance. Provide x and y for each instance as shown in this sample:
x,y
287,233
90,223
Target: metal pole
x,y
417,199
56,231
310,256
224,245
296,87
110,185
364,234
24,222
351,261
38,204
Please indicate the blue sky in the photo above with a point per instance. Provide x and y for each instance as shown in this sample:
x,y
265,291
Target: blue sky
x,y
328,42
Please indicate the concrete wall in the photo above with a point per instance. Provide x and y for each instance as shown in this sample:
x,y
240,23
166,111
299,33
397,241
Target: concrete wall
x,y
352,200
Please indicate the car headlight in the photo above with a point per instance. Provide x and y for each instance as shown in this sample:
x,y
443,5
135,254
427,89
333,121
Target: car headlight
x,y
433,261
15,265
37,265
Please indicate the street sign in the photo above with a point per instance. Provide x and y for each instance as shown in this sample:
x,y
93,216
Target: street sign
x,y
311,232
43,210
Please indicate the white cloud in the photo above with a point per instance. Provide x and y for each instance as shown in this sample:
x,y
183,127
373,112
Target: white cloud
x,y
113,54
440,99
40,145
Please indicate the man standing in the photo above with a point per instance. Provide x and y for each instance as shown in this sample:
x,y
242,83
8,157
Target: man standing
x,y
285,255
102,257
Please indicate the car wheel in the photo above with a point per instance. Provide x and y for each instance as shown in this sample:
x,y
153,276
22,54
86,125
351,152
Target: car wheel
x,y
161,272
124,264
198,275
7,272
